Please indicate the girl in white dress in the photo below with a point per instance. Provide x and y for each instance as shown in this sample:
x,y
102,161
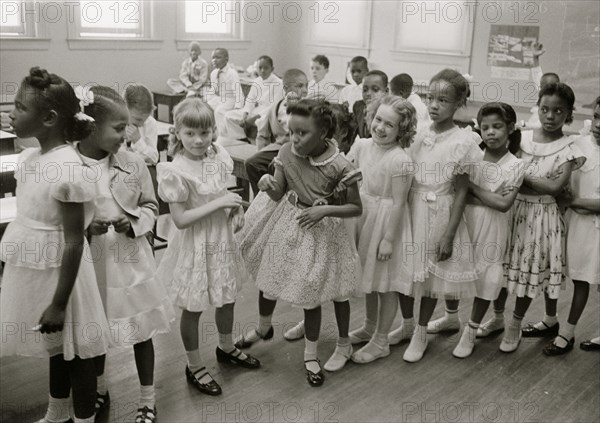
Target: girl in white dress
x,y
444,156
493,189
583,234
202,265
384,228
136,303
537,259
49,284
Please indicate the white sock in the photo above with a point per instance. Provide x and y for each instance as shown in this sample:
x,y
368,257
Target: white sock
x,y
595,340
498,315
513,331
264,324
58,409
147,398
194,360
101,382
310,353
549,321
343,342
88,420
568,332
226,342
451,314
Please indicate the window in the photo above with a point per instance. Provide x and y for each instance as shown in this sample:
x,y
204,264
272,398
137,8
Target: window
x,y
21,27
342,24
215,23
122,24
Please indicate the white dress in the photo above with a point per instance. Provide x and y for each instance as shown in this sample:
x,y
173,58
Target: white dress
x,y
438,159
202,266
380,168
137,304
32,249
489,228
583,230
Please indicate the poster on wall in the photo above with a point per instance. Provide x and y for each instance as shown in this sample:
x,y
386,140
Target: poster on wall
x,y
510,51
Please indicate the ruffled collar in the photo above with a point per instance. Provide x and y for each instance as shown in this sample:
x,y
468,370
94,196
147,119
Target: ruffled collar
x,y
329,155
543,149
430,137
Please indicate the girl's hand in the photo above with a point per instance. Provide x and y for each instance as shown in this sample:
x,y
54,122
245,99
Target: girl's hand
x,y
229,201
555,174
444,248
238,221
310,217
507,190
132,133
384,252
99,226
121,224
266,183
52,319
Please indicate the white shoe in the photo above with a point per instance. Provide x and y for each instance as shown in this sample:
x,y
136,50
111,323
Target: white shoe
x,y
295,333
444,324
359,336
338,359
507,346
465,345
416,348
403,333
490,327
370,352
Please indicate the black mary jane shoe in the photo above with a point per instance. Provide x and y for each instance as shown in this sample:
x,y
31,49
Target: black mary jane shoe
x,y
234,358
589,346
552,349
314,379
530,331
102,403
210,388
145,415
243,342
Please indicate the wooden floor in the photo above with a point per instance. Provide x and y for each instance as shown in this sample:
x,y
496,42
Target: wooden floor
x,y
487,387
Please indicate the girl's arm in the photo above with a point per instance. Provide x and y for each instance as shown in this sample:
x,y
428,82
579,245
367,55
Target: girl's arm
x,y
550,186
53,317
590,204
461,186
185,218
275,186
147,203
400,188
353,207
147,145
494,200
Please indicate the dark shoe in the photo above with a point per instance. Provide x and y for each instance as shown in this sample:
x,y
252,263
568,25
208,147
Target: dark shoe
x,y
246,343
145,415
233,358
102,403
210,388
589,346
314,379
552,349
530,331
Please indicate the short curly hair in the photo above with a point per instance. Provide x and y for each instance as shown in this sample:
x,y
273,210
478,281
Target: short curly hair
x,y
407,123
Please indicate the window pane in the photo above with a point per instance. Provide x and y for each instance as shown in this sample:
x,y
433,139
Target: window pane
x,y
209,16
11,14
124,16
341,23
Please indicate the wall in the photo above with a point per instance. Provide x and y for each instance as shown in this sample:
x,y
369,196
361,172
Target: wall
x,y
116,68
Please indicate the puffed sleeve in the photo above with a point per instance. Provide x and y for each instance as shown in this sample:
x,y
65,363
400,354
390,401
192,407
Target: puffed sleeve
x,y
354,153
171,186
466,155
349,173
572,153
225,158
516,173
72,186
402,165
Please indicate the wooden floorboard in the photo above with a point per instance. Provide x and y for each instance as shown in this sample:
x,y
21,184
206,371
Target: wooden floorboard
x,y
489,386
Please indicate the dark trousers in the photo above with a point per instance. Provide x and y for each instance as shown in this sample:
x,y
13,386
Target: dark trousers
x,y
259,165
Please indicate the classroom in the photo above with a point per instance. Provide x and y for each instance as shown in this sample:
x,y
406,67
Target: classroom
x,y
359,167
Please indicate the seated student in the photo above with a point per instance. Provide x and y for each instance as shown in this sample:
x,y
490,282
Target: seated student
x,y
273,128
402,86
375,85
321,87
264,91
141,134
534,120
193,74
353,93
224,91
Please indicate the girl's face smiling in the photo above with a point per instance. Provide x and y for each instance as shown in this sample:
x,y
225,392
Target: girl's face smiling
x,y
384,127
442,101
307,139
25,118
110,134
196,141
495,132
553,112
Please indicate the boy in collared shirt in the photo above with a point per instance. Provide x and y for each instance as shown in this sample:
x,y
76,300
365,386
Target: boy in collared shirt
x,y
193,74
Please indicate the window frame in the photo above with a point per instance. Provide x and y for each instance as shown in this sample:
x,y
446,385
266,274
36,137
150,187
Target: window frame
x,y
31,34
